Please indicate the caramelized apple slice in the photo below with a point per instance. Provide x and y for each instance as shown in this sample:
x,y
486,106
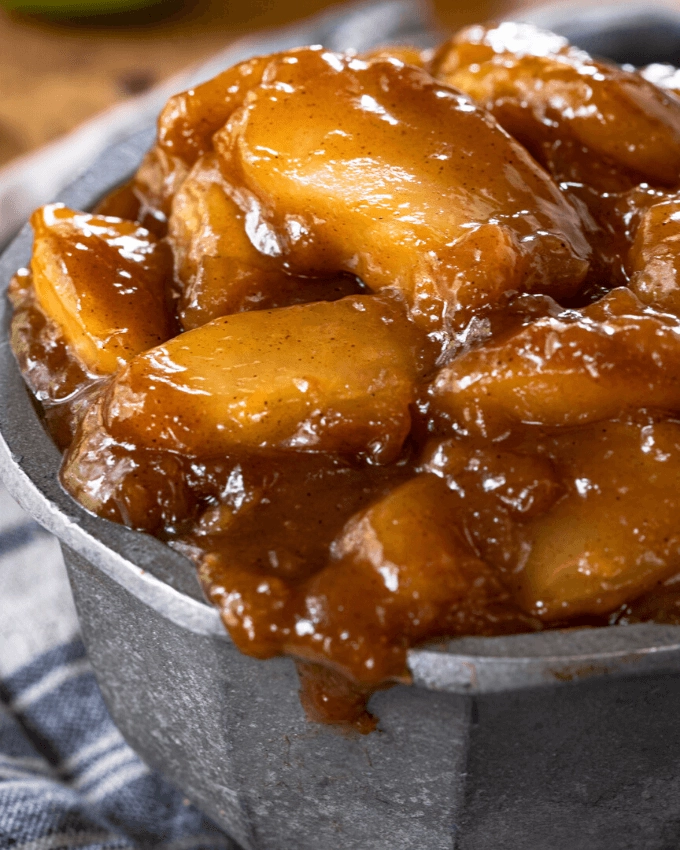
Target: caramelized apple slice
x,y
375,169
185,129
570,368
494,479
654,259
102,281
334,377
145,490
401,572
587,121
614,535
218,269
189,119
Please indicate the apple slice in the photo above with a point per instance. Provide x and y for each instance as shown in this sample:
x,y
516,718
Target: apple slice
x,y
102,281
331,377
569,368
217,268
614,534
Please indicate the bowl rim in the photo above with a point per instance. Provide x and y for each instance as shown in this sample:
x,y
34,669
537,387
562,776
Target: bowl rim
x,y
166,581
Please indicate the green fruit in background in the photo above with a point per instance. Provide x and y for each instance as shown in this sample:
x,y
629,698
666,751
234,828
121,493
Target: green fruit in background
x,y
73,8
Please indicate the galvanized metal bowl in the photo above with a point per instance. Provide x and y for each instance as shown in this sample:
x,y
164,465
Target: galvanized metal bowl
x,y
553,741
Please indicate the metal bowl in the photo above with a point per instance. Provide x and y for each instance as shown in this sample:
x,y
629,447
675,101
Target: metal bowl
x,y
552,741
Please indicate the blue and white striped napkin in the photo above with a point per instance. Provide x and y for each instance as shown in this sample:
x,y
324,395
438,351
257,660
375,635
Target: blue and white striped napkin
x,y
67,777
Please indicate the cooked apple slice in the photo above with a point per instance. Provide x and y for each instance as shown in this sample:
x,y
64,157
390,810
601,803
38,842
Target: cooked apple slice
x,y
614,535
654,259
587,121
374,169
218,269
185,129
334,377
571,368
401,572
189,119
102,281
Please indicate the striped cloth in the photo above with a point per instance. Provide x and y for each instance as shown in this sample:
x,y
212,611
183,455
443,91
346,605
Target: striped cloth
x,y
67,777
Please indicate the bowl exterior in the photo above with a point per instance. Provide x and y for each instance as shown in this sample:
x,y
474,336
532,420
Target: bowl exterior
x,y
593,765
230,732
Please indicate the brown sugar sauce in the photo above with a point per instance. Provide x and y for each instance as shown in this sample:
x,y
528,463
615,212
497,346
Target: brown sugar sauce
x,y
389,347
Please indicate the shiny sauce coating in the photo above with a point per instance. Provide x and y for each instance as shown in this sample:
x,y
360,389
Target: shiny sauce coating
x,y
389,346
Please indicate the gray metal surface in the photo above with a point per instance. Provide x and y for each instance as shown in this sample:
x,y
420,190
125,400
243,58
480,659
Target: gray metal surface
x,y
230,731
590,767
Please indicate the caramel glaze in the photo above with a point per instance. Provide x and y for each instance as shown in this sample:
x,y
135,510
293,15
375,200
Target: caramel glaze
x,y
570,112
565,107
426,386
415,188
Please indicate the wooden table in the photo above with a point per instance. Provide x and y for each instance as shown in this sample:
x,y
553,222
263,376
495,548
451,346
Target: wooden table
x,y
55,74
